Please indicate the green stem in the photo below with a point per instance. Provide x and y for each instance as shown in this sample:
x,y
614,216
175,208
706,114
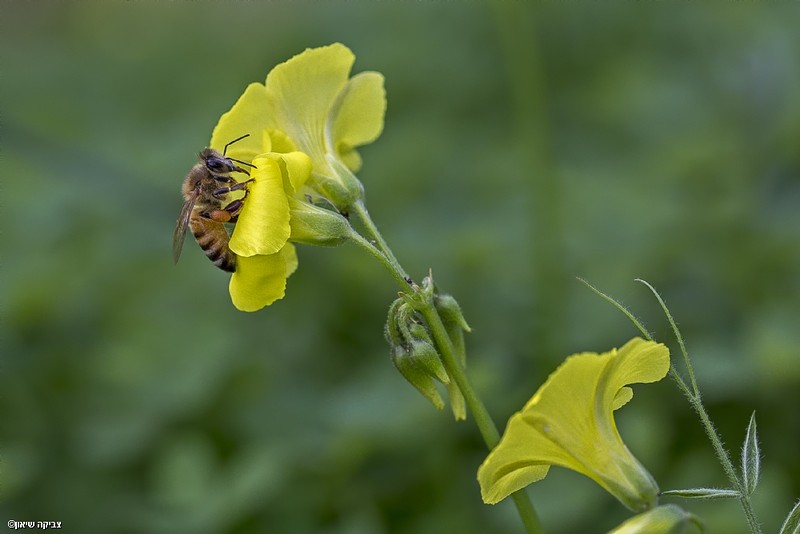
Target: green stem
x,y
727,464
483,420
693,396
381,257
697,403
360,210
450,355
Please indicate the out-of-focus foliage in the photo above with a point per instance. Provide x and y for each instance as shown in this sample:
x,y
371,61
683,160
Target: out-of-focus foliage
x,y
523,147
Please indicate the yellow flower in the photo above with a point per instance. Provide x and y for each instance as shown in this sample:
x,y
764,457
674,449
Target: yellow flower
x,y
666,519
570,422
310,104
302,128
271,216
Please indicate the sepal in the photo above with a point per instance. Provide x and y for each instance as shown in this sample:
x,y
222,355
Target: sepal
x,y
313,225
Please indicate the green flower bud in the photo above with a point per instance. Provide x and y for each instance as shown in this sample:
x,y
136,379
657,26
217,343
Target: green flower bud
x,y
457,402
416,376
450,311
312,225
426,357
417,331
454,322
392,331
413,351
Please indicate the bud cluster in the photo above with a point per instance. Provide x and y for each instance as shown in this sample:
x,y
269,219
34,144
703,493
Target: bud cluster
x,y
415,354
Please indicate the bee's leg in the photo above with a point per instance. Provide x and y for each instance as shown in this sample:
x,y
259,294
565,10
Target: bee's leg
x,y
225,190
233,209
230,213
216,215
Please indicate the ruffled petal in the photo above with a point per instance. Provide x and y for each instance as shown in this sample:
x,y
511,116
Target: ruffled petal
x,y
358,117
249,115
637,362
569,422
258,281
263,225
523,457
302,91
289,255
297,169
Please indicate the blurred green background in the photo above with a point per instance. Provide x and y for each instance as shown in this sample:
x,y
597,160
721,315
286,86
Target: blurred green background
x,y
524,146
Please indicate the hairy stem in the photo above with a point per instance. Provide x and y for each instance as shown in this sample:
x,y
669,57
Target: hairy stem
x,y
451,357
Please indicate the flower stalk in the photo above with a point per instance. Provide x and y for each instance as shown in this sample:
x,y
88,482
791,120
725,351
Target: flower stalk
x,y
451,358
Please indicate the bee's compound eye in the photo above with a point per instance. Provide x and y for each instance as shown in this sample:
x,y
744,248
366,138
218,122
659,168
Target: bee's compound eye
x,y
216,164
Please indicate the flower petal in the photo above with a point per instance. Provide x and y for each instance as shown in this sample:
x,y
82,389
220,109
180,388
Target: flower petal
x,y
520,459
590,383
569,422
247,116
302,91
263,225
289,255
637,362
258,281
297,169
358,117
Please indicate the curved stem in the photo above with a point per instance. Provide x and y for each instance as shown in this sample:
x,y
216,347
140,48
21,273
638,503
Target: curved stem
x,y
697,404
450,355
360,210
483,420
399,276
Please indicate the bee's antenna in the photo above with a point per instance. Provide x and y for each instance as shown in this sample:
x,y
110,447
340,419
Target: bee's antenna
x,y
240,162
235,140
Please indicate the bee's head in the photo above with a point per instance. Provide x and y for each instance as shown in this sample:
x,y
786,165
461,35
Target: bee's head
x,y
216,162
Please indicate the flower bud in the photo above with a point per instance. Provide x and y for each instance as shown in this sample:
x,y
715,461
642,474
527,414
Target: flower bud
x,y
405,331
413,351
450,311
453,321
391,331
416,376
425,356
457,403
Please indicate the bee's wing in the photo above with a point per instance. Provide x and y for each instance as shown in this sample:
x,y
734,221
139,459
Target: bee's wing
x,y
180,227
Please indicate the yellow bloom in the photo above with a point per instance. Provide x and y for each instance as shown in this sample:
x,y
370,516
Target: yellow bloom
x,y
569,422
310,104
302,128
271,217
666,519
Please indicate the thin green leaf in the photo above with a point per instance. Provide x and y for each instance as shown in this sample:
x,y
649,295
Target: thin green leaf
x,y
621,308
751,457
677,333
703,493
792,523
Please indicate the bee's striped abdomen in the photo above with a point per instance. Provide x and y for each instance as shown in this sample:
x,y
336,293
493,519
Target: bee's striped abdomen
x,y
213,239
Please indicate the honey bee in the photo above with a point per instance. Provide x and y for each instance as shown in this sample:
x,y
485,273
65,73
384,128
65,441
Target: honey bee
x,y
204,189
